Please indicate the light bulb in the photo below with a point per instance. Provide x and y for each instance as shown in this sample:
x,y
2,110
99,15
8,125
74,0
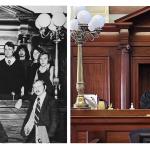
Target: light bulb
x,y
65,25
97,21
77,9
37,24
84,17
59,19
44,20
52,27
91,27
74,24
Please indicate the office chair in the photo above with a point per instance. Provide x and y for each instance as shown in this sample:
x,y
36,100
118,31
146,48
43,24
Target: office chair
x,y
140,135
145,100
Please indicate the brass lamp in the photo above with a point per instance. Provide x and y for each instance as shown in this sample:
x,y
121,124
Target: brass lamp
x,y
83,28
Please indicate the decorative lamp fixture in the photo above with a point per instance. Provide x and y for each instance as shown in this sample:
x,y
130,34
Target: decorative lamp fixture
x,y
52,25
23,34
84,28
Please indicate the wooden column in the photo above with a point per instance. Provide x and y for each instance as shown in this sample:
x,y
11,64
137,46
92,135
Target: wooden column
x,y
125,68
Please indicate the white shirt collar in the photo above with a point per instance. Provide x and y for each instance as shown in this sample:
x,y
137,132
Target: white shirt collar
x,y
12,60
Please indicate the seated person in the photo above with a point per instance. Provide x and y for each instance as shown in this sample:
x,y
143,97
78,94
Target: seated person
x,y
145,100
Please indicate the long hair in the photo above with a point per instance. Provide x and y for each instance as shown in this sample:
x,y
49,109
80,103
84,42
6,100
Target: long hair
x,y
39,49
16,54
50,60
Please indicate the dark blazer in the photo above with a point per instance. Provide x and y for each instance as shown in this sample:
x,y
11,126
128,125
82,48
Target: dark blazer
x,y
48,117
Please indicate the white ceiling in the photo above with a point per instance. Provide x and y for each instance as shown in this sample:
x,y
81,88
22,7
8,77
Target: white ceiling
x,y
46,9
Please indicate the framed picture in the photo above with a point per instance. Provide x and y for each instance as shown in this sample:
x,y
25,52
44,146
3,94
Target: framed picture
x,y
91,100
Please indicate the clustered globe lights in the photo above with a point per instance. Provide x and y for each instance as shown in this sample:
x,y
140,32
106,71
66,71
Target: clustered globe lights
x,y
53,26
85,26
53,22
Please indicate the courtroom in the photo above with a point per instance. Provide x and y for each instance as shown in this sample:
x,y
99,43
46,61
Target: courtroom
x,y
110,74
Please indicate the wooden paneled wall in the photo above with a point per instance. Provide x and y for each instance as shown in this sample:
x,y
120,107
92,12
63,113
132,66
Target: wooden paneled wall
x,y
123,9
104,65
101,61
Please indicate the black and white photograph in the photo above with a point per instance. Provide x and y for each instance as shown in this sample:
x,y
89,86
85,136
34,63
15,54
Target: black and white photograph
x,y
33,74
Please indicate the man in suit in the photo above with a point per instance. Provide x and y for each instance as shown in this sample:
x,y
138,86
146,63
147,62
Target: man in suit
x,y
11,73
42,112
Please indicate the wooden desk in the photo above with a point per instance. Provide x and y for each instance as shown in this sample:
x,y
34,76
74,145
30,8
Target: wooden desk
x,y
110,126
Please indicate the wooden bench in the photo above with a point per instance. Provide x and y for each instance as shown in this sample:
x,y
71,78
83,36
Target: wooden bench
x,y
107,126
12,119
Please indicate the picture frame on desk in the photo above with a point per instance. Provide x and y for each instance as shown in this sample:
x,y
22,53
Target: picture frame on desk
x,y
91,100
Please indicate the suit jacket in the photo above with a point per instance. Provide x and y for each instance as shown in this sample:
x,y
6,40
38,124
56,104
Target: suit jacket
x,y
48,117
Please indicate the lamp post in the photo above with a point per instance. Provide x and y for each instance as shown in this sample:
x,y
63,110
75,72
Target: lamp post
x,y
83,28
52,25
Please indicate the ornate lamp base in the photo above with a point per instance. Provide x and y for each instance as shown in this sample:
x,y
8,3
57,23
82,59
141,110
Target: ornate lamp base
x,y
80,102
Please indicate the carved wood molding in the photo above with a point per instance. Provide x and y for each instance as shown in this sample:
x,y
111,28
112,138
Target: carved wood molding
x,y
16,13
124,44
133,15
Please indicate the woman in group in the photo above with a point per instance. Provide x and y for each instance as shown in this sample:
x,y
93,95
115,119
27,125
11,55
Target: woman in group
x,y
22,55
46,72
31,71
33,66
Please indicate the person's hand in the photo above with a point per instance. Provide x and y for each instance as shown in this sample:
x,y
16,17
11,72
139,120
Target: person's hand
x,y
27,130
22,91
18,104
56,81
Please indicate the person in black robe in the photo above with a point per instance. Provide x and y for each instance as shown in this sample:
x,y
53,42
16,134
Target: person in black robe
x,y
22,55
34,65
145,100
11,74
30,74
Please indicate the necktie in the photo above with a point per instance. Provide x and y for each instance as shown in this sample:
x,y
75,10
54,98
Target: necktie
x,y
9,62
37,112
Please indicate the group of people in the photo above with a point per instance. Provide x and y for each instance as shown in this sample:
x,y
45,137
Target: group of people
x,y
30,79
18,72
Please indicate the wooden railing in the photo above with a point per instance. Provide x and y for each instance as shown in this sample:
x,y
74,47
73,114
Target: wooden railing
x,y
12,119
107,126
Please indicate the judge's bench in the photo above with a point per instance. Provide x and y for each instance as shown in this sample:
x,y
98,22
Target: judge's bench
x,y
106,126
116,68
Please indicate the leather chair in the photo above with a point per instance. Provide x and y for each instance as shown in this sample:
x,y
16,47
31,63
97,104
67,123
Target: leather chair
x,y
140,135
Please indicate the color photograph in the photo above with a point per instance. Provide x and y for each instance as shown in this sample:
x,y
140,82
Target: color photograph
x,y
110,66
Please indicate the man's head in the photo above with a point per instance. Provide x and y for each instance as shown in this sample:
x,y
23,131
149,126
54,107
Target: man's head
x,y
9,49
39,87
